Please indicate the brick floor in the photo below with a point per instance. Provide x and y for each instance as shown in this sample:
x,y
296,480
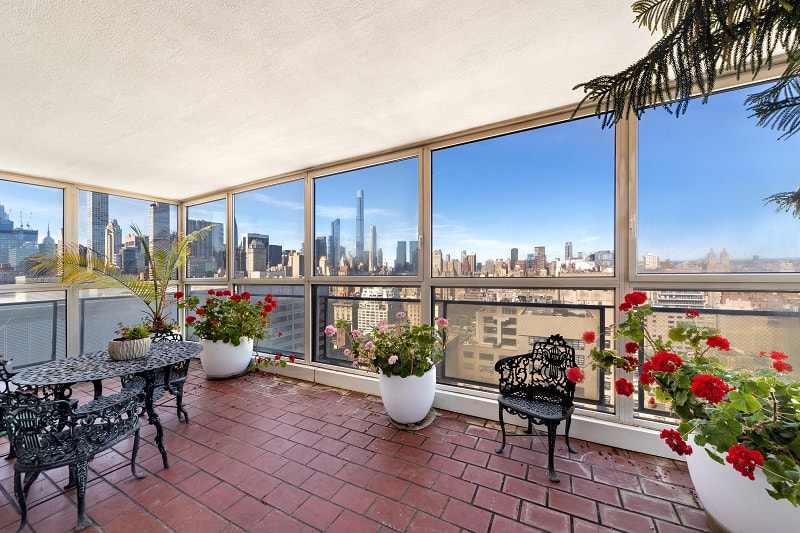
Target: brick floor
x,y
269,453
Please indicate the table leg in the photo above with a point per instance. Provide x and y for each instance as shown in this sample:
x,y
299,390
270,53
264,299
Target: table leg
x,y
152,416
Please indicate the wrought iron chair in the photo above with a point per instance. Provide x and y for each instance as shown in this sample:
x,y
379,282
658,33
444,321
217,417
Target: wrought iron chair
x,y
172,380
535,387
48,435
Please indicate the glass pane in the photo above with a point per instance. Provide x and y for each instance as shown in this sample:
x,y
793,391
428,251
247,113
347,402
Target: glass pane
x,y
107,222
32,327
102,311
201,291
488,324
31,222
207,258
535,203
286,322
268,229
751,321
366,221
362,308
702,183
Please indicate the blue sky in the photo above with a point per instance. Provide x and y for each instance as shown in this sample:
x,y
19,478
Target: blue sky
x,y
536,188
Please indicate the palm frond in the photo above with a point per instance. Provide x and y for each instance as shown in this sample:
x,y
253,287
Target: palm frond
x,y
778,107
701,39
785,201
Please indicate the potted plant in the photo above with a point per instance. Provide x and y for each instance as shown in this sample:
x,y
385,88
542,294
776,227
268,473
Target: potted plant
x,y
132,342
749,420
227,325
80,266
404,355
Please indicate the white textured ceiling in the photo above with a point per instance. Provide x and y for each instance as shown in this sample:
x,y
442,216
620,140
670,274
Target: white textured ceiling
x,y
175,99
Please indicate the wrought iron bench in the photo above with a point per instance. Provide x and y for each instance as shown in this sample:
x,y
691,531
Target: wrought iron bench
x,y
534,386
49,434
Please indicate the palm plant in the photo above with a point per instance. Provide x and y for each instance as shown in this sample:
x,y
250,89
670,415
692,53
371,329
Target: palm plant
x,y
703,39
79,265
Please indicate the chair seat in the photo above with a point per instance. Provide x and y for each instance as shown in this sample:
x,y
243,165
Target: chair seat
x,y
545,411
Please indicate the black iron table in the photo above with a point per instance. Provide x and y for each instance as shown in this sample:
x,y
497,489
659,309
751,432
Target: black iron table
x,y
61,374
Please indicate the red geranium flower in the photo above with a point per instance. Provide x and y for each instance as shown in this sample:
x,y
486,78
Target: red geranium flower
x,y
575,375
624,306
709,387
631,347
781,366
636,298
588,337
630,364
646,378
190,319
692,313
676,442
663,362
744,460
777,356
178,295
718,342
623,387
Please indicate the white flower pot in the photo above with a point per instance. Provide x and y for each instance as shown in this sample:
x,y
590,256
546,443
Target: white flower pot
x,y
222,360
124,350
735,503
408,400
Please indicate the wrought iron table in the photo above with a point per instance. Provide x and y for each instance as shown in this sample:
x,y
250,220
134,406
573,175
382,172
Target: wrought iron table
x,y
61,374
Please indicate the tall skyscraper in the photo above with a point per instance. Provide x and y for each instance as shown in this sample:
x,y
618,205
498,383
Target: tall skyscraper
x,y
158,225
413,256
514,258
96,220
567,251
360,226
400,257
333,245
373,249
113,242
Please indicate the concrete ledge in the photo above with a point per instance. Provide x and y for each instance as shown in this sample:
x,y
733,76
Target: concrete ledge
x,y
584,426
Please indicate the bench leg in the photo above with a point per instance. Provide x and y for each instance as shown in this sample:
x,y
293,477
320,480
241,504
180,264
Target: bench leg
x,y
19,491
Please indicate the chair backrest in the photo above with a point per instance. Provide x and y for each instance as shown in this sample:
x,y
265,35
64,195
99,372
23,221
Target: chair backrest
x,y
37,429
540,374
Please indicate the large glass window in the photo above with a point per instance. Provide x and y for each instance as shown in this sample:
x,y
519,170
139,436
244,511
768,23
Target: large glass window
x,y
268,231
207,258
487,324
753,322
702,181
32,327
366,221
286,322
538,202
31,223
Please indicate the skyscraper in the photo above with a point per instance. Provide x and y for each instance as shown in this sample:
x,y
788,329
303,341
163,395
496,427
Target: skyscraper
x,y
113,242
333,245
360,226
97,220
158,225
567,251
373,249
400,257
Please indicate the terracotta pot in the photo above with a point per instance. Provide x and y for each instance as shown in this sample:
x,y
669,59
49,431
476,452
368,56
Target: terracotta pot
x,y
123,349
222,360
408,400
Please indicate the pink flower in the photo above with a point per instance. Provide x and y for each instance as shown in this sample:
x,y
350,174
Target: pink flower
x,y
369,346
356,333
330,331
392,359
442,322
401,315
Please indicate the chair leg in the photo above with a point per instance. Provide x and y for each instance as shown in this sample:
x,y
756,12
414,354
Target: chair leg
x,y
179,403
499,449
551,446
19,492
81,475
137,475
566,435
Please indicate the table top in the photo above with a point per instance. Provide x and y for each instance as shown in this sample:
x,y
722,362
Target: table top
x,y
99,365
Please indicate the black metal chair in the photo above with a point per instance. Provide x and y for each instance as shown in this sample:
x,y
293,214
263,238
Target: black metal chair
x,y
534,386
48,435
172,379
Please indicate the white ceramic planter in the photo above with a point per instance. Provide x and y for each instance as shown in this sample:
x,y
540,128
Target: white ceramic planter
x,y
408,400
222,360
735,503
